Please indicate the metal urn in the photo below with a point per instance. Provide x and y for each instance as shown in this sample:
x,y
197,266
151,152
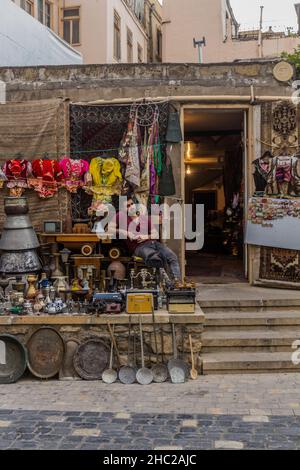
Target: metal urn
x,y
18,242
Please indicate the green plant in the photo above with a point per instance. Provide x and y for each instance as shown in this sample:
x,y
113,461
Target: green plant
x,y
293,58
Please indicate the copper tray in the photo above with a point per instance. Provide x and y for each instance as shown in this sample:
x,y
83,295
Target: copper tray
x,y
91,359
13,359
46,350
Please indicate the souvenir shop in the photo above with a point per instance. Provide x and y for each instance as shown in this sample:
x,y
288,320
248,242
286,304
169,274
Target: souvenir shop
x,y
74,302
90,309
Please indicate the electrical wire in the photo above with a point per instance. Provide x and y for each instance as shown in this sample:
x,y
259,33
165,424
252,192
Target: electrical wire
x,y
76,152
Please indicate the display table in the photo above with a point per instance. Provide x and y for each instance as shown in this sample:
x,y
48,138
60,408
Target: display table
x,y
161,317
75,237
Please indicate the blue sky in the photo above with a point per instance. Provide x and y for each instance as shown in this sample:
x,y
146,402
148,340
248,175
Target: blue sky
x,y
278,13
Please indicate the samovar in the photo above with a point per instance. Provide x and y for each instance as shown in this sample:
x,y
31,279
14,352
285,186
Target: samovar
x,y
19,241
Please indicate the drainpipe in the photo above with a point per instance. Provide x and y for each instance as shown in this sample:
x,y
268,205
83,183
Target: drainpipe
x,y
260,36
59,17
151,48
193,99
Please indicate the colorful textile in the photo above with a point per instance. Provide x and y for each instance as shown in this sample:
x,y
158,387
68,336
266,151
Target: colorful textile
x,y
103,180
166,181
280,265
142,192
280,176
261,172
129,154
46,174
3,178
17,172
296,176
73,172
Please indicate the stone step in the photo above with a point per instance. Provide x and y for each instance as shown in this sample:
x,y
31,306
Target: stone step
x,y
243,362
248,303
251,349
256,337
241,295
269,318
245,310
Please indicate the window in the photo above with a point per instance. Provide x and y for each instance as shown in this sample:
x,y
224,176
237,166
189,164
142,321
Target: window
x,y
140,54
129,46
27,5
40,10
44,10
117,36
48,14
71,20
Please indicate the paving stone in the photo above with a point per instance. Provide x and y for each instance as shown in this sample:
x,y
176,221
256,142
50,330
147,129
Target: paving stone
x,y
166,448
5,444
55,419
256,419
4,424
189,423
234,445
122,416
86,432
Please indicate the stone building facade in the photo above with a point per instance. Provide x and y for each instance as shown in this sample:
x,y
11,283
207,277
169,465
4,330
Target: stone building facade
x,y
103,31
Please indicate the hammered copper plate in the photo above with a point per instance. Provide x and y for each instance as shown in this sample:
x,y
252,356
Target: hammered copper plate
x,y
46,350
13,359
91,359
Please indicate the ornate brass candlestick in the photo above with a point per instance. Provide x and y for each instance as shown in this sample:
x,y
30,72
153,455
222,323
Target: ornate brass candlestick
x,y
57,271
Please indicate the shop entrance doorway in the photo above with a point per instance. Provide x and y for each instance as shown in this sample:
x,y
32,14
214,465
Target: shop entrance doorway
x,y
215,177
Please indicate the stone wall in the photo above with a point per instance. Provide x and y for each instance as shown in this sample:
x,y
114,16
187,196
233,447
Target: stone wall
x,y
84,328
98,82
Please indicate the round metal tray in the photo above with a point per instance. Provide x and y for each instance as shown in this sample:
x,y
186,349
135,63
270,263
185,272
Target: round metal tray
x,y
46,350
91,359
13,359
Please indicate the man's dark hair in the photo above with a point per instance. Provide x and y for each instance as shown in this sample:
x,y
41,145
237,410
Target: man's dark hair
x,y
267,154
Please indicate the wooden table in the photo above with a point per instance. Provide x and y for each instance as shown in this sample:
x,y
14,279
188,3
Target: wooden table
x,y
75,241
75,237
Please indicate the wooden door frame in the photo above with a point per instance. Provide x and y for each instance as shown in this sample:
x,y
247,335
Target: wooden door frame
x,y
253,149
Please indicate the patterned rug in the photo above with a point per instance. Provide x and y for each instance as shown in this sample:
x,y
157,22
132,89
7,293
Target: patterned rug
x,y
277,264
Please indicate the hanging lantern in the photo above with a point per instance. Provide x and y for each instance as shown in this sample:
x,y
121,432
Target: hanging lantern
x,y
18,241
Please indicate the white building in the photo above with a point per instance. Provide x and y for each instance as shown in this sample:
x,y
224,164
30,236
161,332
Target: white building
x,y
24,41
104,31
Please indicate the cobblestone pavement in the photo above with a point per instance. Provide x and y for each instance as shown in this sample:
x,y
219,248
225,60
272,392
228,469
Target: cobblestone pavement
x,y
88,430
231,411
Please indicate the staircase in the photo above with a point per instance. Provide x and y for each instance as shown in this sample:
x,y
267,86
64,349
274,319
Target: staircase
x,y
250,336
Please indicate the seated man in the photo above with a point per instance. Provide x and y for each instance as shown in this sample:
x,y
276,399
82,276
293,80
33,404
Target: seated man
x,y
142,240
